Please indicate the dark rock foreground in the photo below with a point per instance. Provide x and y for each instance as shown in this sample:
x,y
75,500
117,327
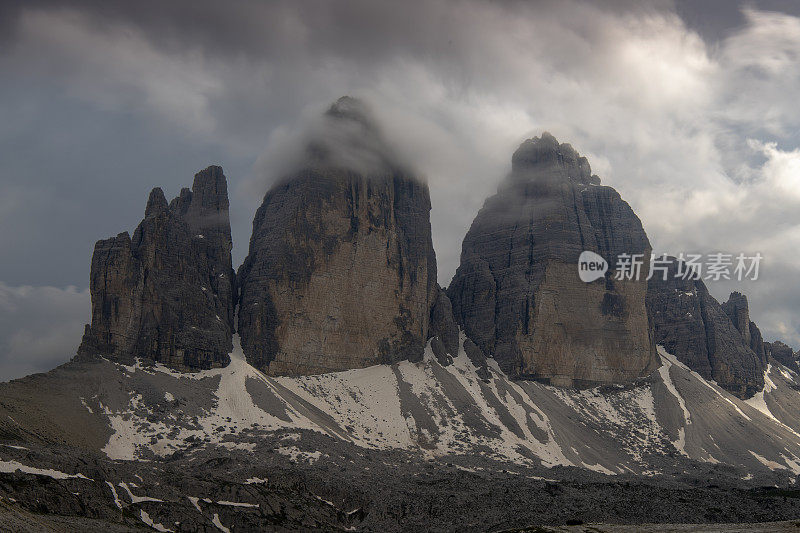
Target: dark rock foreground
x,y
359,490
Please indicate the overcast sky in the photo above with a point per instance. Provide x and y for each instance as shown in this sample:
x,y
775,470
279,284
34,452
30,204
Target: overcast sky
x,y
689,109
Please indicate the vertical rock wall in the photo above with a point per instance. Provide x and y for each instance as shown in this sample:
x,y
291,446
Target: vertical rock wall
x,y
517,292
705,335
341,271
167,294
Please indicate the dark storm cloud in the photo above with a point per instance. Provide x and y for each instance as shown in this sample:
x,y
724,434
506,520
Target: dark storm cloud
x,y
686,108
38,326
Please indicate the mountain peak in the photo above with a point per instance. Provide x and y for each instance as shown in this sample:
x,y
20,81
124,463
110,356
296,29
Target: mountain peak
x,y
210,188
341,271
350,108
167,294
156,202
517,294
349,138
544,158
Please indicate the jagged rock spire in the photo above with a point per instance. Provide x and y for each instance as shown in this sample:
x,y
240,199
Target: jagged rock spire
x,y
738,310
783,354
716,341
167,294
156,202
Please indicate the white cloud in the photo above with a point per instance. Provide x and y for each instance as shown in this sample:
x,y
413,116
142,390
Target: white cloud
x,y
701,139
114,66
760,74
679,127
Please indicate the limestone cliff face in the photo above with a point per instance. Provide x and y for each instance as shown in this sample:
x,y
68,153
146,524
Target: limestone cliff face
x,y
782,353
443,330
341,271
738,310
517,293
167,294
719,342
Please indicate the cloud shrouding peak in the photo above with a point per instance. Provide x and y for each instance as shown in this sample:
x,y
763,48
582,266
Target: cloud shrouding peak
x,y
699,135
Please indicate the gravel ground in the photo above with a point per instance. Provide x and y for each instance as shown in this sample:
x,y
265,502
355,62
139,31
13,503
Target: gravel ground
x,y
286,483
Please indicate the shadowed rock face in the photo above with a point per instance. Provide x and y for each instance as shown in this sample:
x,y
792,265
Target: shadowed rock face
x,y
517,293
167,294
757,344
783,354
341,271
738,310
443,330
705,335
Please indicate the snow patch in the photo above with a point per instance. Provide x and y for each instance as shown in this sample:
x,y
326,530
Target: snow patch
x,y
667,360
759,402
147,520
117,501
716,389
14,447
297,454
216,522
83,402
238,504
10,467
433,411
133,497
234,408
195,500
772,465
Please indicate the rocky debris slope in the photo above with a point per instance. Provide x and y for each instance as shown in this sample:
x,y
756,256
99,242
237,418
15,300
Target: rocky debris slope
x,y
467,408
517,293
341,271
413,445
167,294
693,326
218,490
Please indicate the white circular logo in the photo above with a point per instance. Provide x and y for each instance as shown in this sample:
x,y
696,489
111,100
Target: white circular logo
x,y
591,266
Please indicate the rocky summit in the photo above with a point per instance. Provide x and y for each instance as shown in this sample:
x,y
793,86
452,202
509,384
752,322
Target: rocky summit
x,y
341,271
738,310
717,341
517,292
783,354
167,294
